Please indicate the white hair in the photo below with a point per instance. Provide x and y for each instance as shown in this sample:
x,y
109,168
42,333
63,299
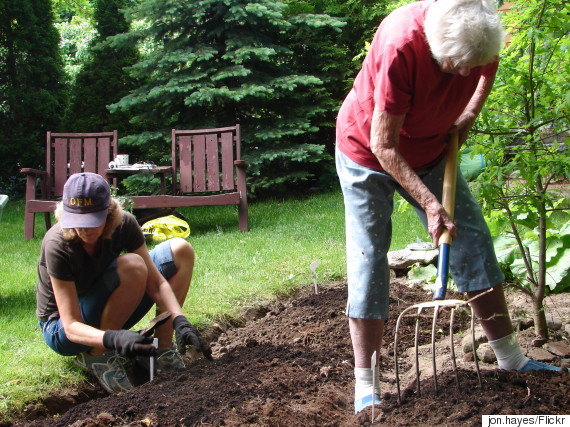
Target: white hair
x,y
467,32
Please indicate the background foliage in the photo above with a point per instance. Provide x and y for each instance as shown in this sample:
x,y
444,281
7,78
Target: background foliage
x,y
219,63
279,68
103,78
32,85
524,133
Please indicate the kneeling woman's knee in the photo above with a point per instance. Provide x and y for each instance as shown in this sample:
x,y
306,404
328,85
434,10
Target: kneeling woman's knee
x,y
182,251
132,269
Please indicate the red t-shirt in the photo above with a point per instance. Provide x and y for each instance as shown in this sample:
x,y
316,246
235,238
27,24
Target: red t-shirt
x,y
400,75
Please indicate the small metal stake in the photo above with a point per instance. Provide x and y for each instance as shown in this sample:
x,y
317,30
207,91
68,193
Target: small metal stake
x,y
373,367
151,364
314,266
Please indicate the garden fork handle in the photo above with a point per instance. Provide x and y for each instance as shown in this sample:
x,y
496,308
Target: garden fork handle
x,y
448,202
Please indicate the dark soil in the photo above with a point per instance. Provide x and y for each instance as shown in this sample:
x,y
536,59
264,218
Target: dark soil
x,y
291,364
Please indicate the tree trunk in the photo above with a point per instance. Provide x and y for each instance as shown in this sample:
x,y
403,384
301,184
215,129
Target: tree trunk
x,y
540,328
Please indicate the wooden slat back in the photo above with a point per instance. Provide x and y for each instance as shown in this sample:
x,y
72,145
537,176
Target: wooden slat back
x,y
213,162
90,150
205,159
228,179
199,163
104,155
185,167
69,153
60,166
75,155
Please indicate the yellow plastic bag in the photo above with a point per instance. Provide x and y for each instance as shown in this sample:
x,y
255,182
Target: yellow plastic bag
x,y
166,227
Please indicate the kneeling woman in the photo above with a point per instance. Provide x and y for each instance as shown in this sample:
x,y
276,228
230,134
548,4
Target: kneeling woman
x,y
97,279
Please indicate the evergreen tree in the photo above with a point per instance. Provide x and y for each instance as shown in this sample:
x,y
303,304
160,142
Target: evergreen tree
x,y
32,85
336,59
103,80
215,63
362,18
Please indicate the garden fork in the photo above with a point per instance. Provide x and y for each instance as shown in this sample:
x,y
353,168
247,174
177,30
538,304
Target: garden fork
x,y
439,302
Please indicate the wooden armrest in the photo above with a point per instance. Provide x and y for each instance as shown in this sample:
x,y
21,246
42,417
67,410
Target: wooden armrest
x,y
241,163
32,171
165,170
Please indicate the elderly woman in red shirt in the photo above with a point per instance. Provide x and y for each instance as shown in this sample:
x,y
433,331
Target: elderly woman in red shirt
x,y
428,72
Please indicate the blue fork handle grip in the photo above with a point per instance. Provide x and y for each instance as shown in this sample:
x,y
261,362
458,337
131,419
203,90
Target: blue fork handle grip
x,y
442,272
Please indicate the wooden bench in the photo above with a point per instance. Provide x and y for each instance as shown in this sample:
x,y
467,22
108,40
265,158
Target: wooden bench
x,y
207,170
66,154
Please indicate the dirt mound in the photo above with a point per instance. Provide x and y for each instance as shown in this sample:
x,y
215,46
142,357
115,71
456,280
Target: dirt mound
x,y
291,365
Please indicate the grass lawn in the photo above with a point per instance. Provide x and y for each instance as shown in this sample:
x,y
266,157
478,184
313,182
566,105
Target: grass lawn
x,y
233,270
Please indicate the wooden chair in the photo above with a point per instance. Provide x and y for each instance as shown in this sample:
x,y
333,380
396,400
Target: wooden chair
x,y
207,170
66,154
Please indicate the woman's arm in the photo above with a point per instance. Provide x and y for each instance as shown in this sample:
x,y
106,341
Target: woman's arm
x,y
68,306
467,118
157,286
384,142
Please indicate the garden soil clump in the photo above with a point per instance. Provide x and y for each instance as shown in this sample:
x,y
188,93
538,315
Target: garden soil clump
x,y
289,363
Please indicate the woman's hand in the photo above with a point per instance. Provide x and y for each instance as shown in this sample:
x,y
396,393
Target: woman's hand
x,y
438,221
188,335
128,343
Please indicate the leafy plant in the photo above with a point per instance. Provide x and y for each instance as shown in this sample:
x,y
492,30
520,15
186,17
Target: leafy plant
x,y
557,257
125,201
142,184
102,79
523,133
423,273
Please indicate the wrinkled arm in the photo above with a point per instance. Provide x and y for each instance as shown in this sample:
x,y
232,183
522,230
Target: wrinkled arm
x,y
384,142
467,118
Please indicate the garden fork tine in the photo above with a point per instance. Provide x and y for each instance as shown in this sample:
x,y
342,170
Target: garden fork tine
x,y
448,201
437,306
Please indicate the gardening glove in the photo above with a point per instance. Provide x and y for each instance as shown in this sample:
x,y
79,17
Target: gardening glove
x,y
128,343
186,334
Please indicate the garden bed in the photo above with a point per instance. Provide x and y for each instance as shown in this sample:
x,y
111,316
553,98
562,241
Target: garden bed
x,y
289,363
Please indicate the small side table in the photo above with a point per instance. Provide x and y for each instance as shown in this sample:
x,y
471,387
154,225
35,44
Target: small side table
x,y
126,171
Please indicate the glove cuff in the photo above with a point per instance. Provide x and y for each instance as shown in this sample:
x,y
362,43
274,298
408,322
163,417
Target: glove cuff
x,y
108,339
178,320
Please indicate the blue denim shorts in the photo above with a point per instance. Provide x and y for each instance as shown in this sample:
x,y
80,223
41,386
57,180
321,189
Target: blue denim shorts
x,y
368,199
91,304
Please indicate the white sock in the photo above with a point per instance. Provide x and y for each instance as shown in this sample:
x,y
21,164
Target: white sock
x,y
508,352
363,384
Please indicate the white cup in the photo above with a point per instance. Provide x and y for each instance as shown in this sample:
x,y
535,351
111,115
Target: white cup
x,y
122,160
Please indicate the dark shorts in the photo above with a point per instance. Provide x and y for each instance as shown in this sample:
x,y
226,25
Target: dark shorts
x,y
92,303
